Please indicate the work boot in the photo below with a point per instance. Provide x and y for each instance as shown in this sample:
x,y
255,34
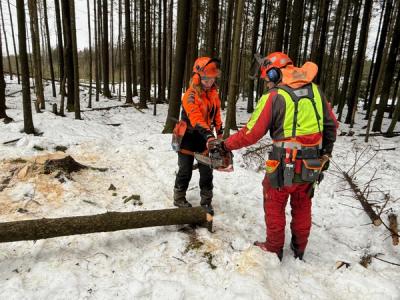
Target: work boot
x,y
297,253
263,246
180,198
205,202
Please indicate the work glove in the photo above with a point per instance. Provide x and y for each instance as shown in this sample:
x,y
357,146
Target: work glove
x,y
210,142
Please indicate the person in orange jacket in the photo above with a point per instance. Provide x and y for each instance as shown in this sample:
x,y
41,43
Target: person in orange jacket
x,y
202,114
303,130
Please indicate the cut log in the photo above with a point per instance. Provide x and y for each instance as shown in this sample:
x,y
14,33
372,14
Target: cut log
x,y
107,222
393,228
376,220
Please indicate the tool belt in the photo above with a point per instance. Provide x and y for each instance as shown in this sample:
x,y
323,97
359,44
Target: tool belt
x,y
177,135
284,163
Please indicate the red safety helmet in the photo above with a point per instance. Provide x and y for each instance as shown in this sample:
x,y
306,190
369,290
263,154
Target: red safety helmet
x,y
205,67
275,60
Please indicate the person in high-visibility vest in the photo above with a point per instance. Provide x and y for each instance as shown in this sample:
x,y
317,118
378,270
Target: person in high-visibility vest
x,y
303,129
200,117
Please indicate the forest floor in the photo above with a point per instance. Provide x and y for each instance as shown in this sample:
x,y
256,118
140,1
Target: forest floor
x,y
174,262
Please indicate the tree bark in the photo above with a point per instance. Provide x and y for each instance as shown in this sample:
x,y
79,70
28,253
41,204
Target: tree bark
x,y
383,34
90,56
10,71
281,25
13,38
394,229
143,60
349,60
128,47
254,39
77,107
352,98
32,5
180,56
309,20
143,100
46,23
26,94
230,122
212,28
60,42
107,222
226,52
192,49
389,74
295,44
3,113
106,58
69,62
97,52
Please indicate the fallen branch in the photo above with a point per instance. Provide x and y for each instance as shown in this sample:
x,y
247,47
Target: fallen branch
x,y
393,229
107,222
376,220
384,134
112,107
12,141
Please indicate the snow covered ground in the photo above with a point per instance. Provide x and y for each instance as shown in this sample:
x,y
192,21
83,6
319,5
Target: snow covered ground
x,y
168,262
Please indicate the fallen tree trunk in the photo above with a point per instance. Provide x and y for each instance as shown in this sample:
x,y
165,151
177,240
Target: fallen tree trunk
x,y
376,220
393,229
107,222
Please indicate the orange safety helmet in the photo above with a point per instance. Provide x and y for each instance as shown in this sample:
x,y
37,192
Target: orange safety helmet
x,y
274,62
205,67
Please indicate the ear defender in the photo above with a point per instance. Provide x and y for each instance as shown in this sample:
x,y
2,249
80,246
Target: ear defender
x,y
274,75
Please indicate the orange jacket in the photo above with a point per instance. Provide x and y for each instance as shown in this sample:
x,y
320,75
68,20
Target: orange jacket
x,y
202,112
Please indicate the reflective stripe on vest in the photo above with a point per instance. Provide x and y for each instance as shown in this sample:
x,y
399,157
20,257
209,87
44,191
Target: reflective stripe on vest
x,y
309,116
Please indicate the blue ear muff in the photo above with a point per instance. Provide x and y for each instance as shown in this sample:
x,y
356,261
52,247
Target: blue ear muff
x,y
274,75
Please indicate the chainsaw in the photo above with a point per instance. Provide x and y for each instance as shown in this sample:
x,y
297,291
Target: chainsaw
x,y
218,158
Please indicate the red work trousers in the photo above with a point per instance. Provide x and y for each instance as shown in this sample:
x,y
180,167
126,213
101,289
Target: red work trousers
x,y
274,207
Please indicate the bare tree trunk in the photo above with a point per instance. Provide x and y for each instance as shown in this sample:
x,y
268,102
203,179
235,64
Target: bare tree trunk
x,y
107,222
159,53
366,97
134,61
46,23
226,52
10,71
112,46
309,21
32,5
143,61
143,101
119,47
388,73
192,49
128,47
295,45
60,42
230,122
90,56
164,54
254,39
97,51
106,58
383,34
77,106
281,25
26,93
69,63
170,51
349,60
352,99
212,28
13,38
180,56
3,114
